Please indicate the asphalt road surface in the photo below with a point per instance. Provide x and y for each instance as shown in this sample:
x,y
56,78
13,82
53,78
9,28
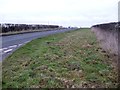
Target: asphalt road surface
x,y
13,42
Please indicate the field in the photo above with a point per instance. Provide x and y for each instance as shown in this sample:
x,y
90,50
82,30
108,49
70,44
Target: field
x,y
72,59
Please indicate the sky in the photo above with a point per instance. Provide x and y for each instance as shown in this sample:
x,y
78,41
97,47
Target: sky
x,y
75,13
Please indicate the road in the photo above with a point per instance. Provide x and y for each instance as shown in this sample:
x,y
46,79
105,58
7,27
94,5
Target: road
x,y
13,42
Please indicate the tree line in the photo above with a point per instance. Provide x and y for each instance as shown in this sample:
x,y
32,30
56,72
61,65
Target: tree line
x,y
19,27
108,26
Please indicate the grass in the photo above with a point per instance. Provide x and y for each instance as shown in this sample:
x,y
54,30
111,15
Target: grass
x,y
68,60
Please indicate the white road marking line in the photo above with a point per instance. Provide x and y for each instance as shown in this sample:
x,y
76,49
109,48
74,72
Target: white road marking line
x,y
19,45
26,41
8,50
12,46
1,49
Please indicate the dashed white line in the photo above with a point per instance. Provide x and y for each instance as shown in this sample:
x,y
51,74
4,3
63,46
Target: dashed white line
x,y
12,46
26,41
19,45
8,50
3,49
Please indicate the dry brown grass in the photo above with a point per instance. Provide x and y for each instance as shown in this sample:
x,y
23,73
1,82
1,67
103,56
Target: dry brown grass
x,y
108,39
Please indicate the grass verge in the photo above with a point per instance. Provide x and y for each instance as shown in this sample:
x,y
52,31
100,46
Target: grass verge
x,y
68,60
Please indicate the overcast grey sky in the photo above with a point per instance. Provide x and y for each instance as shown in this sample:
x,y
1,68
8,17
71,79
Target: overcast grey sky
x,y
60,12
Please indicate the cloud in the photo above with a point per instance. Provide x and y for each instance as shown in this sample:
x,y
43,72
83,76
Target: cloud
x,y
64,12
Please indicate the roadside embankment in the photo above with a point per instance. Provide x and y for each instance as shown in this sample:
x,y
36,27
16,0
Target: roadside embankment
x,y
67,60
107,35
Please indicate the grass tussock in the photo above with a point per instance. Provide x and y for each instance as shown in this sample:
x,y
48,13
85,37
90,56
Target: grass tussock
x,y
68,60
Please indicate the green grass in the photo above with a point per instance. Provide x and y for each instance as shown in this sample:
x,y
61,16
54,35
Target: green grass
x,y
71,59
